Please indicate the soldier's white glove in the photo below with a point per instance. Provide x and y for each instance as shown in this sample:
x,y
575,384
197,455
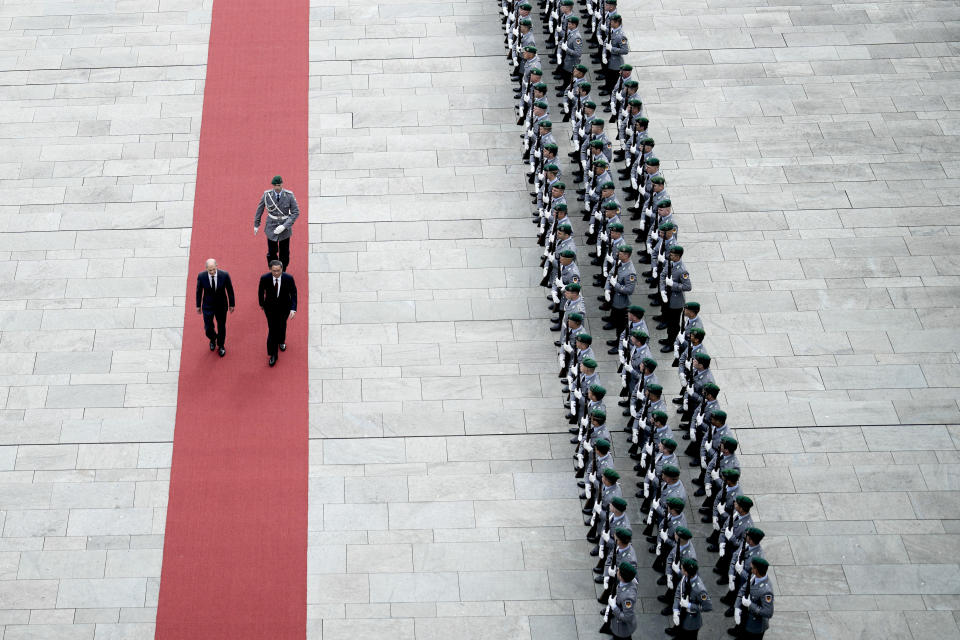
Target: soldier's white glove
x,y
593,476
676,568
728,533
568,348
685,603
709,447
661,258
603,237
609,258
606,536
699,419
739,567
655,505
633,183
676,618
689,389
731,583
550,240
623,380
555,297
516,32
669,281
526,97
612,602
669,581
648,448
723,548
255,230
745,601
708,489
633,410
608,47
597,508
651,475
646,490
579,461
558,282
570,94
715,475
564,46
606,295
611,572
663,296
580,132
628,368
578,395
663,535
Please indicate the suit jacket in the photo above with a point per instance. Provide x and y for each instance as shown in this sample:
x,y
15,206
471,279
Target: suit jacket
x,y
285,302
210,300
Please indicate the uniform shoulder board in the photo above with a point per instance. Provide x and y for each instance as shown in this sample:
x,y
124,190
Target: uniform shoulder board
x,y
769,598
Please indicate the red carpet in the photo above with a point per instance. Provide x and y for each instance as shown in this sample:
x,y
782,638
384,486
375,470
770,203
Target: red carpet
x,y
235,552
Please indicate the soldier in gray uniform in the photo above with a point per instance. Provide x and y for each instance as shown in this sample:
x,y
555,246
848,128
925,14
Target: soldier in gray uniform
x,y
690,319
715,430
701,423
755,606
573,302
740,567
619,617
715,468
620,290
622,551
616,517
663,540
693,392
690,601
608,490
616,47
672,574
282,211
666,455
731,535
670,487
570,51
569,274
675,282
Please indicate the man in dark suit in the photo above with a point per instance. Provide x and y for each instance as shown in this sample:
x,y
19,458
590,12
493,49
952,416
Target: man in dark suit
x,y
278,299
214,298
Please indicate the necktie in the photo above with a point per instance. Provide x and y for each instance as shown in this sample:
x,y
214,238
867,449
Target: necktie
x,y
214,283
276,288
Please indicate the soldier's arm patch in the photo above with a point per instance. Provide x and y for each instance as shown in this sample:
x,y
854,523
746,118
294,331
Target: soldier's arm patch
x,y
633,277
703,596
579,40
628,604
769,598
576,278
686,276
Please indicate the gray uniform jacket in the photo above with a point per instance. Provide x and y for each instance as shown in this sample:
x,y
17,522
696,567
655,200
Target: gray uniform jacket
x,y
571,57
623,618
744,556
618,48
627,554
282,210
739,530
625,284
693,590
700,378
676,556
680,277
760,611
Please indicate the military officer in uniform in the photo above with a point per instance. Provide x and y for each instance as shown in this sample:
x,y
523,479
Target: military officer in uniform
x,y
620,290
619,618
755,607
570,50
690,600
282,211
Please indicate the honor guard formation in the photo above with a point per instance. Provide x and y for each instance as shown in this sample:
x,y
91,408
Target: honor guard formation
x,y
608,199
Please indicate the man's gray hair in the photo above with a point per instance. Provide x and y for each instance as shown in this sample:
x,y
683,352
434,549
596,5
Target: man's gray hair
x,y
275,263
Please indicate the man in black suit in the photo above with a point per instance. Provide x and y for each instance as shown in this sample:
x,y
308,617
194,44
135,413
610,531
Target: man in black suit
x,y
214,298
278,299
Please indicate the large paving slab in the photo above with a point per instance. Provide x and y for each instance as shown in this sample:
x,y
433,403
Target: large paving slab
x,y
811,154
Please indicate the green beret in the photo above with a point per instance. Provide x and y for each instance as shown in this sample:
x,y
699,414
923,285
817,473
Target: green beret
x,y
526,22
540,86
670,471
649,362
589,363
575,288
730,441
650,142
667,226
636,310
616,226
546,124
582,67
635,102
620,504
542,104
702,358
698,331
659,416
653,162
745,502
731,473
568,253
529,48
623,67
630,84
712,389
567,3
663,204
597,122
601,163
565,228
719,415
756,534
658,180
627,570
675,502
684,533
669,443
526,6
639,334
613,205
561,206
589,104
601,443
596,144
608,185
536,71
676,249
757,561
693,306
689,564
559,185
655,388
621,532
585,338
552,168
598,390
643,121
586,86
276,180
625,248
573,19
551,147
576,317
611,474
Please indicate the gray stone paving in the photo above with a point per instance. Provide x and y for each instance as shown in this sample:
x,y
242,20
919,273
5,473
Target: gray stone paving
x,y
810,152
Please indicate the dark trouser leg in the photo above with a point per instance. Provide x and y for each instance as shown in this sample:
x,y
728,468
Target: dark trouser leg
x,y
208,327
276,331
272,251
221,316
671,317
619,319
687,634
285,252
